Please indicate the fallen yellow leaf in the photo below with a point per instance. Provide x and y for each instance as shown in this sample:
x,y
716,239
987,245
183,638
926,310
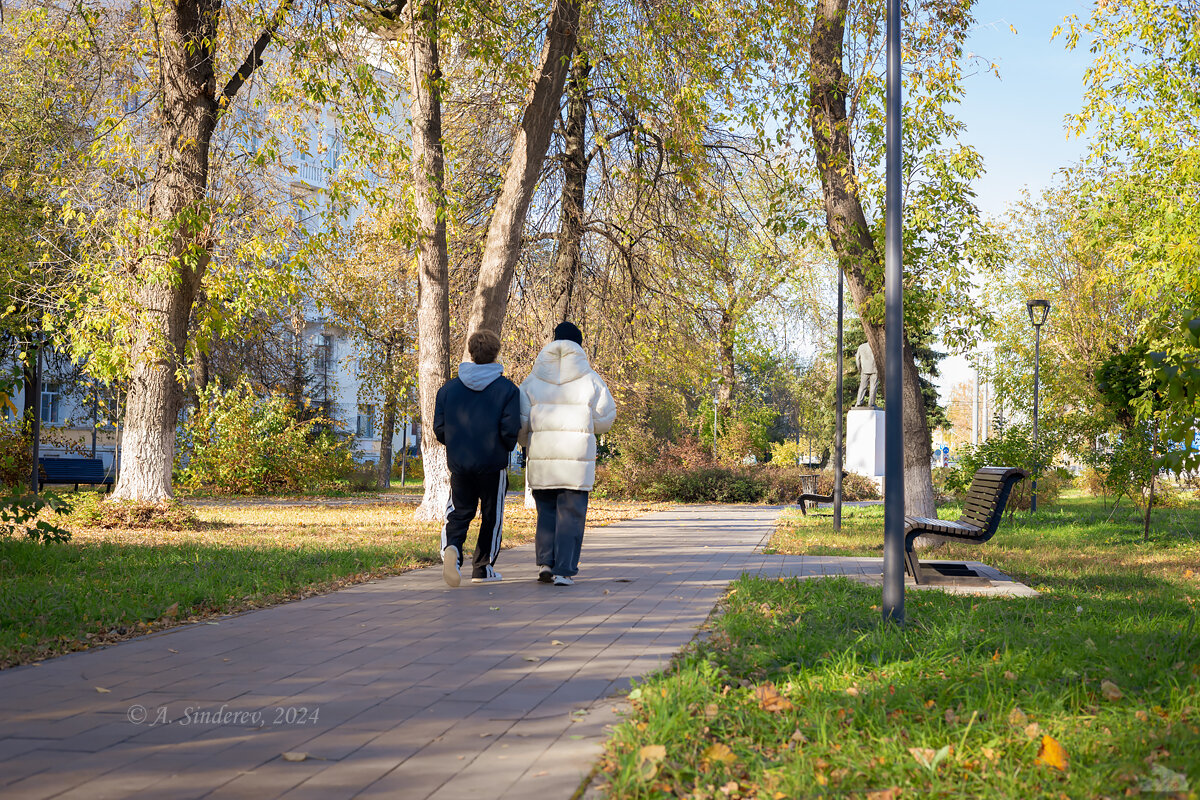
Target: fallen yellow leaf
x,y
1110,690
102,690
769,699
924,755
295,756
711,710
1032,730
1052,754
650,757
1017,717
884,794
720,752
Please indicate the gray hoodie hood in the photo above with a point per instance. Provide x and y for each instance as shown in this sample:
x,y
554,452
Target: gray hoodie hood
x,y
476,377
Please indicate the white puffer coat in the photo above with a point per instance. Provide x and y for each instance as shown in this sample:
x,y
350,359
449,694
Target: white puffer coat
x,y
564,404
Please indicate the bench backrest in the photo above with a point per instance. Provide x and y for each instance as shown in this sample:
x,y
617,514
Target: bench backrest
x,y
988,496
74,470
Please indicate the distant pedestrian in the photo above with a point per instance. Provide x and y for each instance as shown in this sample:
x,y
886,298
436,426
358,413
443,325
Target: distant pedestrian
x,y
478,417
564,404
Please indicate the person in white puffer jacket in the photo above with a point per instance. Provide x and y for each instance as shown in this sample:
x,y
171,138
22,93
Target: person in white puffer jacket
x,y
564,404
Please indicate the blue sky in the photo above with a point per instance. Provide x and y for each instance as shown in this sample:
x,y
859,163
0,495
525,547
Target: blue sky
x,y
1016,120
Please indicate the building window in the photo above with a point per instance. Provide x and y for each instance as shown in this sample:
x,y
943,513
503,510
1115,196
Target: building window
x,y
333,146
365,429
51,396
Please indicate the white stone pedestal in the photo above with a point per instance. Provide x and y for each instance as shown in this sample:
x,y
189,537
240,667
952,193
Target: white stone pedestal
x,y
864,443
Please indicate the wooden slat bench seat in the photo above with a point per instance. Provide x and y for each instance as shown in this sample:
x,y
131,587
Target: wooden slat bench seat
x,y
73,470
982,510
808,493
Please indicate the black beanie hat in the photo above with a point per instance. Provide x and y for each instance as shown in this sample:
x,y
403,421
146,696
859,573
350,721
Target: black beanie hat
x,y
568,331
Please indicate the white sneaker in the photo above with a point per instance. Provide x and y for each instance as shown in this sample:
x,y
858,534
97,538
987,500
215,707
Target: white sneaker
x,y
490,577
563,580
545,575
450,566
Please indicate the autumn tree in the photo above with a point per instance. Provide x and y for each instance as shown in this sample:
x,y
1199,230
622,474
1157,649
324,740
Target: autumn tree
x,y
372,295
943,233
1143,116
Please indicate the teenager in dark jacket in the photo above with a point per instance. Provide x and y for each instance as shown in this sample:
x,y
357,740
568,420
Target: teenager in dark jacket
x,y
477,416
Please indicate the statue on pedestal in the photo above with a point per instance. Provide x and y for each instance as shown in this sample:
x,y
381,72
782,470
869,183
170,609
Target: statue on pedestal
x,y
864,359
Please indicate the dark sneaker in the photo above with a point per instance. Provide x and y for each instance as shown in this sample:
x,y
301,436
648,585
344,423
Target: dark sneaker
x,y
488,577
563,580
545,575
450,566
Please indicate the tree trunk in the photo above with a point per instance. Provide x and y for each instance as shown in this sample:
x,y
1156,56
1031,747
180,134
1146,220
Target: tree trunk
x,y
433,292
503,244
170,275
568,265
384,478
850,236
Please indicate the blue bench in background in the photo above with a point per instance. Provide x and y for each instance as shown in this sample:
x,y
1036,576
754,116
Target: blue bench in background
x,y
73,470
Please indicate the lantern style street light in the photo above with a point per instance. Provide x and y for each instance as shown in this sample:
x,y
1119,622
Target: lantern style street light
x,y
1038,311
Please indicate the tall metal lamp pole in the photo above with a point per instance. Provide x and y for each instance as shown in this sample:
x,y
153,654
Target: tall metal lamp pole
x,y
1038,311
893,450
837,428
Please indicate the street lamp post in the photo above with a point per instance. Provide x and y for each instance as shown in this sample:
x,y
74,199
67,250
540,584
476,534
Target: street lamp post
x,y
837,428
893,450
1038,311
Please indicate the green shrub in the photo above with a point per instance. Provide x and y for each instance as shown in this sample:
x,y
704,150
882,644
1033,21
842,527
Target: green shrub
x,y
236,442
716,485
15,466
784,485
414,471
362,477
20,512
949,483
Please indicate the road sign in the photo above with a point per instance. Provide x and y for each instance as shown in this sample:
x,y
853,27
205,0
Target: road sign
x,y
946,449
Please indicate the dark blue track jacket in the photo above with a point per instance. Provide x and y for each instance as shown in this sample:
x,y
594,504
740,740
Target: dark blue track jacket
x,y
478,416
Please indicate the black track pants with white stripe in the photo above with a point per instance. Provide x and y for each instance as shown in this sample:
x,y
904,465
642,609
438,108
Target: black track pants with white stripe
x,y
468,490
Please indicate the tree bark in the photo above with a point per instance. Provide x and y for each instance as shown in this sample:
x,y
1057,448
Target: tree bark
x,y
177,240
568,265
170,275
433,283
858,257
503,243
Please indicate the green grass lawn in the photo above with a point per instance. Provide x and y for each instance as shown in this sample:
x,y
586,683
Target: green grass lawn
x,y
799,689
108,585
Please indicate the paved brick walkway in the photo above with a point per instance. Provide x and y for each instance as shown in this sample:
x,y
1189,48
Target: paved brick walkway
x,y
402,688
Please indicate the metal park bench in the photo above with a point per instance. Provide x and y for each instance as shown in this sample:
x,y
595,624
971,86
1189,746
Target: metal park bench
x,y
73,470
982,510
808,493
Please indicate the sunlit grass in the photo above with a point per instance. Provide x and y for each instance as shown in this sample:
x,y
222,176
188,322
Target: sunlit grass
x,y
1106,662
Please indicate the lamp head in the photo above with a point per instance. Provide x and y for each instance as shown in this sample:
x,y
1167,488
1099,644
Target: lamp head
x,y
1038,311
